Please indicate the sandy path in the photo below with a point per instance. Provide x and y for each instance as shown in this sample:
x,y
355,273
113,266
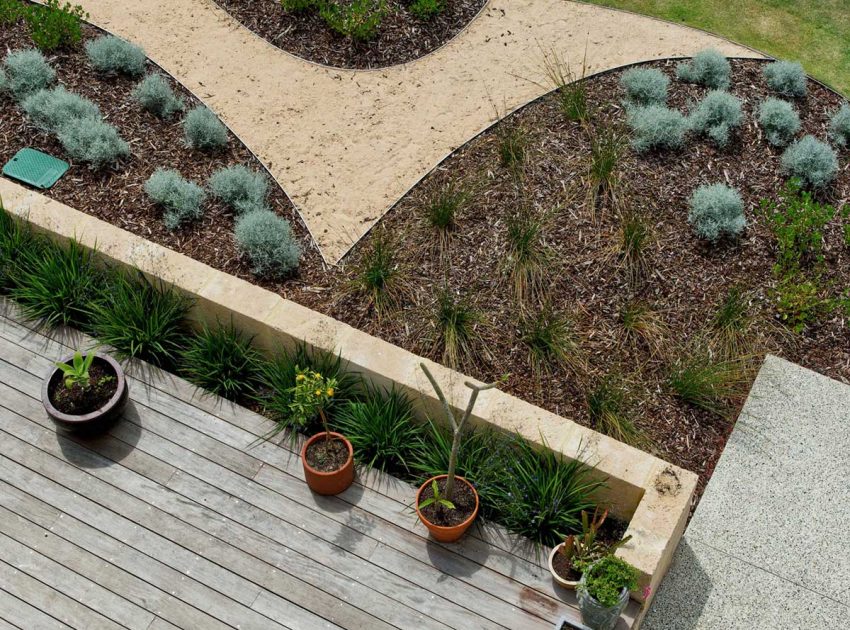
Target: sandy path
x,y
346,145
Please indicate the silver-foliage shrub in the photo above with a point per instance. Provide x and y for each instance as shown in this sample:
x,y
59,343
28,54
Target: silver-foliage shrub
x,y
839,126
112,55
716,211
708,67
657,127
52,109
27,71
92,141
811,161
204,130
645,86
155,95
180,199
786,78
268,242
716,116
779,120
4,81
240,188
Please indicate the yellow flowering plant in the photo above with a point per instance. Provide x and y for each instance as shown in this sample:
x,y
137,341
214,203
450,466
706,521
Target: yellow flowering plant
x,y
310,395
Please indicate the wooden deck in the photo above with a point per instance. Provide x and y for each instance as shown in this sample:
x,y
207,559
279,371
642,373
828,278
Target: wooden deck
x,y
174,520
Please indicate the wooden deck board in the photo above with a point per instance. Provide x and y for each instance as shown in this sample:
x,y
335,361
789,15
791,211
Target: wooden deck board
x,y
178,518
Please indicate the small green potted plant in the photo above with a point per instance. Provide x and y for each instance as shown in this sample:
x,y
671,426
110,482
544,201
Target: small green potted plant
x,y
568,560
85,392
327,457
448,504
603,591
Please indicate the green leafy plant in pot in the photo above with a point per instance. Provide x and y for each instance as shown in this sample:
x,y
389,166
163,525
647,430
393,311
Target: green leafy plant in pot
x,y
603,591
447,504
327,457
569,560
85,392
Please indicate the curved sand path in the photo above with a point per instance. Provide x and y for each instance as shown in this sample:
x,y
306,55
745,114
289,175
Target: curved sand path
x,y
345,144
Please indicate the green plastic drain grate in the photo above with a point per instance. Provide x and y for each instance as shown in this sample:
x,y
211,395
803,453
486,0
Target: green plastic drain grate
x,y
35,168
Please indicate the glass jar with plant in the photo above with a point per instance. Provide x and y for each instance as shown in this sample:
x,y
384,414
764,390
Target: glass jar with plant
x,y
448,504
603,592
568,560
85,392
327,457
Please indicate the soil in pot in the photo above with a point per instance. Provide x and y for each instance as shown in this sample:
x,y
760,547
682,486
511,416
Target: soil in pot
x,y
327,455
564,568
463,499
78,400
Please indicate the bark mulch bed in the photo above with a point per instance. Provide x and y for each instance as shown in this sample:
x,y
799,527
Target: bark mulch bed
x,y
400,38
685,283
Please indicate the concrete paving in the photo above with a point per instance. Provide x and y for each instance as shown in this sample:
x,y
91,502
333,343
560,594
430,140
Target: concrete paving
x,y
769,546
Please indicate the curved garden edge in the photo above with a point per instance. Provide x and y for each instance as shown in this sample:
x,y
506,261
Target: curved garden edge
x,y
653,494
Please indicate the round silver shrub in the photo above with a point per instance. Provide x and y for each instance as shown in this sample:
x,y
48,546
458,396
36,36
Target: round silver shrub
x,y
839,126
180,199
27,72
708,67
4,81
203,130
52,109
717,211
155,95
112,55
716,116
645,86
92,141
268,242
240,188
656,128
811,161
786,78
779,121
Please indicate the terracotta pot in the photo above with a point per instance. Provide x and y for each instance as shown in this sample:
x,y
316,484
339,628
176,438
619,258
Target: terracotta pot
x,y
438,532
98,420
568,584
328,483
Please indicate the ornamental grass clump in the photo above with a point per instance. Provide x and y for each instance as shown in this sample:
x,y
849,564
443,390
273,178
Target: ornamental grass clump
x,y
812,161
112,55
242,189
645,86
779,120
786,78
656,127
611,412
708,67
53,109
717,211
222,361
203,130
455,322
716,116
839,126
93,141
269,243
155,95
180,198
27,72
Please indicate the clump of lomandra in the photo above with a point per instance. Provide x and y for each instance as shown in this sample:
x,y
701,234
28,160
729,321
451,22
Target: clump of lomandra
x,y
779,120
708,67
717,211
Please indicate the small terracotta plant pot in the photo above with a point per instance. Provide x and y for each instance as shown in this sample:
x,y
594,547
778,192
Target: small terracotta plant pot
x,y
96,421
561,581
441,533
333,482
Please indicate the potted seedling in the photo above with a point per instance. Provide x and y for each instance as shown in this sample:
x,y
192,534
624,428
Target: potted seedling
x,y
327,457
448,504
568,560
603,591
85,392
